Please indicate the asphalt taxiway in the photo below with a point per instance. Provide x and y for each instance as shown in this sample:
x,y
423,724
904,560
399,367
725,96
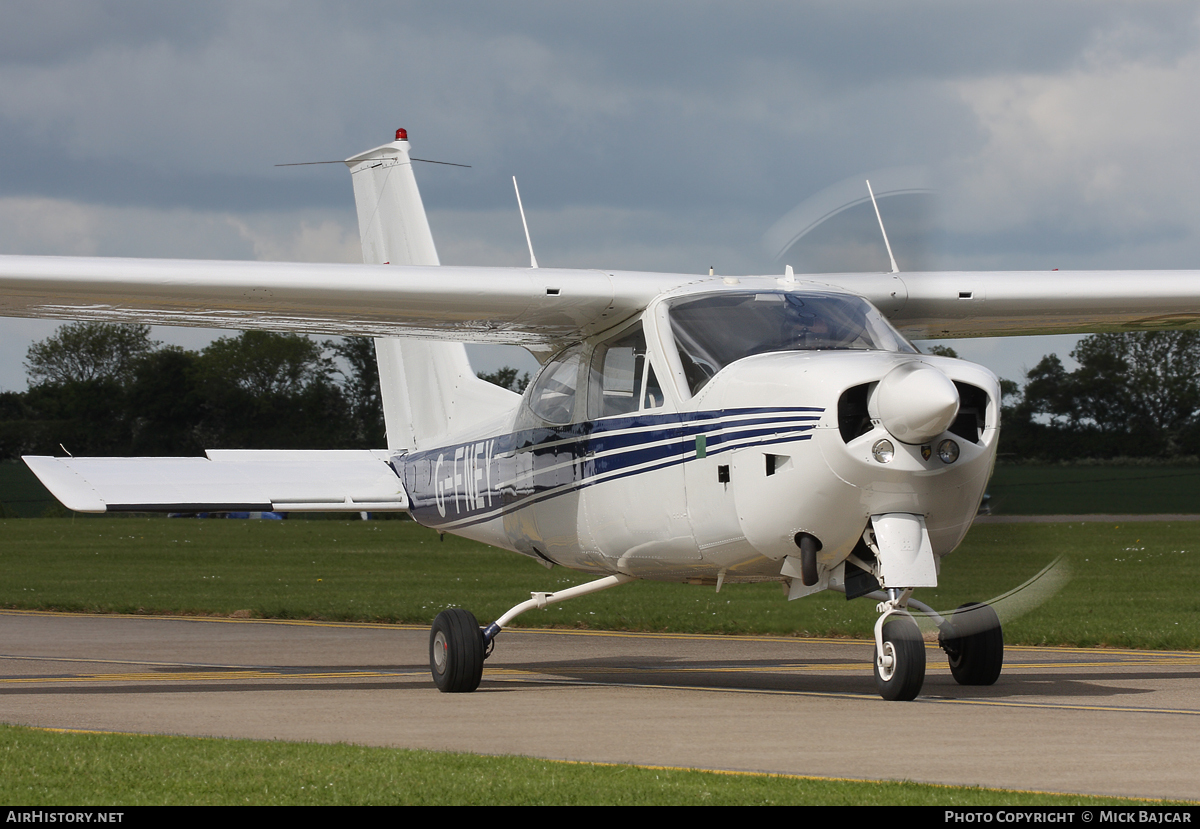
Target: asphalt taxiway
x,y
1069,720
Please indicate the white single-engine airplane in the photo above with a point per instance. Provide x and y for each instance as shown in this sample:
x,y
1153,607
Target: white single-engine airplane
x,y
697,429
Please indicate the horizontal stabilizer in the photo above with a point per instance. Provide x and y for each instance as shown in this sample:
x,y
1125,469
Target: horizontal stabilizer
x,y
351,480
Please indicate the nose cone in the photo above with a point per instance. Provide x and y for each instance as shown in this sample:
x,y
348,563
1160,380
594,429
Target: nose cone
x,y
916,402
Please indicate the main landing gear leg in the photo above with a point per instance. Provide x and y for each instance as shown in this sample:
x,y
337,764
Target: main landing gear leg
x,y
457,645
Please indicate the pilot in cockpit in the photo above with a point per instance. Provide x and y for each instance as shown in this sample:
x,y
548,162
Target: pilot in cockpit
x,y
822,325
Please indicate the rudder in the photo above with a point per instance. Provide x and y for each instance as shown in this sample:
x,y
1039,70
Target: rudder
x,y
428,388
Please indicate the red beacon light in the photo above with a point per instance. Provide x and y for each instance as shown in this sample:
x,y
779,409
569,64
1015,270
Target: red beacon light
x,y
402,134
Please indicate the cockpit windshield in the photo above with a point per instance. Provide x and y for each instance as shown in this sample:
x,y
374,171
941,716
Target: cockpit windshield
x,y
715,330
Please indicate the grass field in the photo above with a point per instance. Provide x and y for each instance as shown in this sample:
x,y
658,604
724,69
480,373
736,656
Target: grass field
x,y
85,769
1081,489
22,495
1131,585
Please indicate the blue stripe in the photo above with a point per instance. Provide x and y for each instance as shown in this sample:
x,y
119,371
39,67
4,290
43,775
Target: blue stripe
x,y
466,484
592,481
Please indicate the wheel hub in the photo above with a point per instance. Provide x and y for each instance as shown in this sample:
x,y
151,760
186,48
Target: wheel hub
x,y
887,662
440,646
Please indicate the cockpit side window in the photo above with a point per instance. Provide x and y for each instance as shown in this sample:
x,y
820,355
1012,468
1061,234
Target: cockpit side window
x,y
621,379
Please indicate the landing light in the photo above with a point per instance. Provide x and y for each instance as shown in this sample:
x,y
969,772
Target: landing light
x,y
883,451
948,451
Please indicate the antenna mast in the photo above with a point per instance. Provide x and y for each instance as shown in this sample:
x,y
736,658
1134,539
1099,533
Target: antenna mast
x,y
532,259
886,243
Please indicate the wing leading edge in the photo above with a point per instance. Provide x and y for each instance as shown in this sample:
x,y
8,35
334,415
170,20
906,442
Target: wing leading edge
x,y
519,306
227,480
1019,303
545,307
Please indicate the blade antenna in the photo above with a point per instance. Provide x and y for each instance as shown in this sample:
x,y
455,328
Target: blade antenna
x,y
886,243
532,259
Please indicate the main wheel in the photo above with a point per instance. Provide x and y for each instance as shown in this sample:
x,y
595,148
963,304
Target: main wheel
x,y
903,677
976,650
456,651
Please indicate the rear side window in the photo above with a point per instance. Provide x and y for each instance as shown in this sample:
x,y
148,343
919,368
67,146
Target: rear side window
x,y
552,396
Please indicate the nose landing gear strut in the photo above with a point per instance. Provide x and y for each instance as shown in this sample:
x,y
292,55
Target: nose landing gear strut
x,y
972,639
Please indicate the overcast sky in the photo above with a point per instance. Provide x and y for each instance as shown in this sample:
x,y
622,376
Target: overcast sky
x,y
663,136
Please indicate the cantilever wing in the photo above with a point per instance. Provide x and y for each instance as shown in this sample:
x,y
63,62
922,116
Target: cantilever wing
x,y
539,307
227,480
1017,303
521,306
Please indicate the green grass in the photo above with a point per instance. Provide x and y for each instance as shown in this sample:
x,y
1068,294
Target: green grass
x,y
22,494
1082,489
1132,585
40,768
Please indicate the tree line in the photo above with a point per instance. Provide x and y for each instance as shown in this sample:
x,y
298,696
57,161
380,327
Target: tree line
x,y
1132,394
110,390
105,389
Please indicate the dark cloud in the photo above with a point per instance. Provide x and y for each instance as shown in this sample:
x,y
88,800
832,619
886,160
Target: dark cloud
x,y
30,168
690,44
666,135
42,32
655,105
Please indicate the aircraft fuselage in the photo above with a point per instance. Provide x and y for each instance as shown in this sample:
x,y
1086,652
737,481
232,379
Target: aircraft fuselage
x,y
720,481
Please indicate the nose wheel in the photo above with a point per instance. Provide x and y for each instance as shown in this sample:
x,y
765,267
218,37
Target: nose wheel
x,y
900,664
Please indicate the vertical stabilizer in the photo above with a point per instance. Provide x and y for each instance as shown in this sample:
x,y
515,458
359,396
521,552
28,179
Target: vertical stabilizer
x,y
428,388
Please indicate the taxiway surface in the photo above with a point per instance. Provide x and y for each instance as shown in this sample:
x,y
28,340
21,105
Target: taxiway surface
x,y
1070,720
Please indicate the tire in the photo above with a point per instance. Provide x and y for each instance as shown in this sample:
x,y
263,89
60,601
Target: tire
x,y
456,651
902,641
976,650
